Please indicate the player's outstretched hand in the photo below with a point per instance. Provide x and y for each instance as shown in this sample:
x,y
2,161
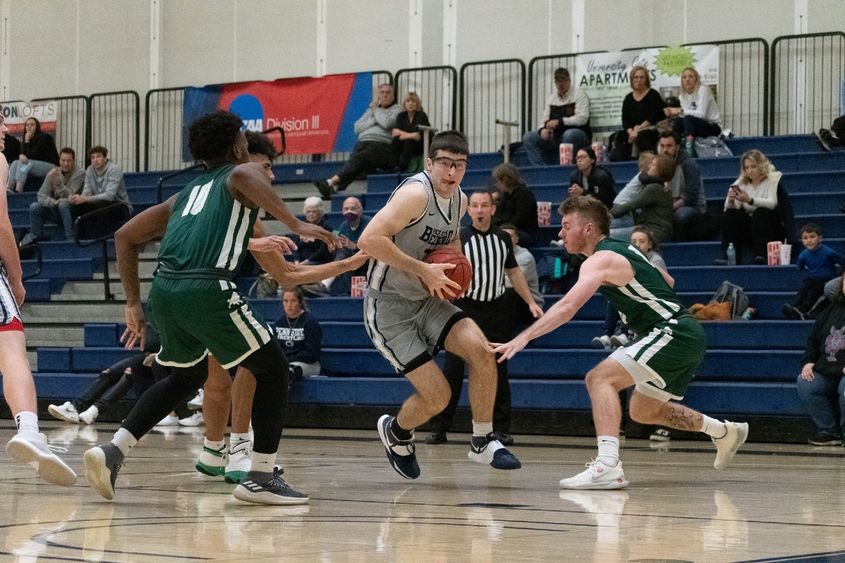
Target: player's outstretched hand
x,y
136,327
438,283
509,349
310,230
272,243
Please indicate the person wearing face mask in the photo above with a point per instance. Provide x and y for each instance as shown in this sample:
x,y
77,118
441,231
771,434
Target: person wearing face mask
x,y
353,225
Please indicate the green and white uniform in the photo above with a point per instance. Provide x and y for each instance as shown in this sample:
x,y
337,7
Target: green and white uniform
x,y
670,343
195,304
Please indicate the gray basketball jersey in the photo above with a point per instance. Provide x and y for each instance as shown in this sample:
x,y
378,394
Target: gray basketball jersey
x,y
438,225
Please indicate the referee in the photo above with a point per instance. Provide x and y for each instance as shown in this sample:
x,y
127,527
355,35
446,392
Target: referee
x,y
490,252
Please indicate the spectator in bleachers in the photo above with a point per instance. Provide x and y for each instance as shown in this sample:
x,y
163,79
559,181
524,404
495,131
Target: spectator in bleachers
x,y
37,157
821,385
686,186
565,120
374,148
516,203
53,203
751,216
299,334
313,251
698,115
11,147
353,225
407,138
528,267
642,109
104,185
821,263
833,137
631,190
590,179
652,207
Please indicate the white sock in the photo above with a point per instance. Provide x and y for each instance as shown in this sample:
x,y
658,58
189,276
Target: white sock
x,y
216,446
27,421
235,438
713,428
124,440
481,429
263,463
608,450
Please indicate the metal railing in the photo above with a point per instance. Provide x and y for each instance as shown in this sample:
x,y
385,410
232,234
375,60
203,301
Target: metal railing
x,y
437,86
163,128
490,90
99,226
807,73
541,82
115,124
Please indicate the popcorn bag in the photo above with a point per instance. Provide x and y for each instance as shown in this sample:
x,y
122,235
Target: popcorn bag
x,y
773,250
544,213
358,286
566,153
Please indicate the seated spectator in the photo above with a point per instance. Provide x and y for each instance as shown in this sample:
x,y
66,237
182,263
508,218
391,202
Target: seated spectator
x,y
104,185
565,120
313,251
698,115
516,203
139,371
53,204
652,208
821,385
689,199
38,155
829,138
354,224
642,109
528,266
751,216
631,190
374,148
821,264
11,148
590,179
407,138
300,335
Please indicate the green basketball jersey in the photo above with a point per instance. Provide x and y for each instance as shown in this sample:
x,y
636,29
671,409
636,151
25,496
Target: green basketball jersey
x,y
647,300
208,230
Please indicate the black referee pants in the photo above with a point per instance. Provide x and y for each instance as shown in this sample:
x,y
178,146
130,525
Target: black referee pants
x,y
493,317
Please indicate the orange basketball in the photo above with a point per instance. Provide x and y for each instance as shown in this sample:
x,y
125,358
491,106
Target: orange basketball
x,y
460,274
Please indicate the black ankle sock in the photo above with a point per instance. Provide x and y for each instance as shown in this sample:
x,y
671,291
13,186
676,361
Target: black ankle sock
x,y
399,432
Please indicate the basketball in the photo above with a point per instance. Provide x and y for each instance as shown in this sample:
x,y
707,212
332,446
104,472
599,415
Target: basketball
x,y
460,274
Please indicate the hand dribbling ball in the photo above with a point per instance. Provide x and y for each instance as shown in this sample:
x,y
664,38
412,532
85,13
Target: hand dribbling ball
x,y
460,274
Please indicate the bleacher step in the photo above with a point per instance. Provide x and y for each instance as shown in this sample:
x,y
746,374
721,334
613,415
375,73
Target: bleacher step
x,y
52,335
74,312
93,290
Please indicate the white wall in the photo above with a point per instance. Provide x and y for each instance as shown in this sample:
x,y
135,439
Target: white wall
x,y
64,47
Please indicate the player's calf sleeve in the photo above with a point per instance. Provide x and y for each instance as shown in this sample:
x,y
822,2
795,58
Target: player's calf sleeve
x,y
269,405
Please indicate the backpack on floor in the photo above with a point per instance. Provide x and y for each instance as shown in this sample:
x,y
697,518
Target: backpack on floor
x,y
734,296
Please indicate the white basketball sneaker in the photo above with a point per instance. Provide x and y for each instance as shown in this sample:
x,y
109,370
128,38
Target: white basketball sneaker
x,y
32,448
597,476
727,445
66,412
89,415
240,461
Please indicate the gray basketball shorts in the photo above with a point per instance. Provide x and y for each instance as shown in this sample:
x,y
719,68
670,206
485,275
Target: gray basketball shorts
x,y
408,333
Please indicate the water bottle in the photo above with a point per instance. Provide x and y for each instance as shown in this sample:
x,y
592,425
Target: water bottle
x,y
731,255
749,313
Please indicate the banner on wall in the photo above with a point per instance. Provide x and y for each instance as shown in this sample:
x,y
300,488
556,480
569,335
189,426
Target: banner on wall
x,y
605,77
15,115
317,114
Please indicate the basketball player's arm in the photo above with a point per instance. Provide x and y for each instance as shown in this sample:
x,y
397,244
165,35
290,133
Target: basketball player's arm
x,y
520,285
146,226
269,243
250,185
602,267
406,206
290,275
8,247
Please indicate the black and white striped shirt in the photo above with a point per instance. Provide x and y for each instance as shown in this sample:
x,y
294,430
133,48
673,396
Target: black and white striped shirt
x,y
490,253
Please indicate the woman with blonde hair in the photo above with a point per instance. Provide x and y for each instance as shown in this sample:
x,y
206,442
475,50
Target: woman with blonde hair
x,y
407,138
752,216
698,115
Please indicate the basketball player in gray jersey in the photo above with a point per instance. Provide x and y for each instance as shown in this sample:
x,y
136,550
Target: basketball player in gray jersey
x,y
659,364
408,317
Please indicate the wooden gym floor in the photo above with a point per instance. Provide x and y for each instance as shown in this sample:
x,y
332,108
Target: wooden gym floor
x,y
775,503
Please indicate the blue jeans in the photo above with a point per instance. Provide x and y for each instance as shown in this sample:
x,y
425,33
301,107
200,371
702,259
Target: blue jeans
x,y
541,152
824,400
18,172
60,215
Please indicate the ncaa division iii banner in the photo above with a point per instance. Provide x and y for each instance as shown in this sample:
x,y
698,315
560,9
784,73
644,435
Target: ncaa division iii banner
x,y
317,114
